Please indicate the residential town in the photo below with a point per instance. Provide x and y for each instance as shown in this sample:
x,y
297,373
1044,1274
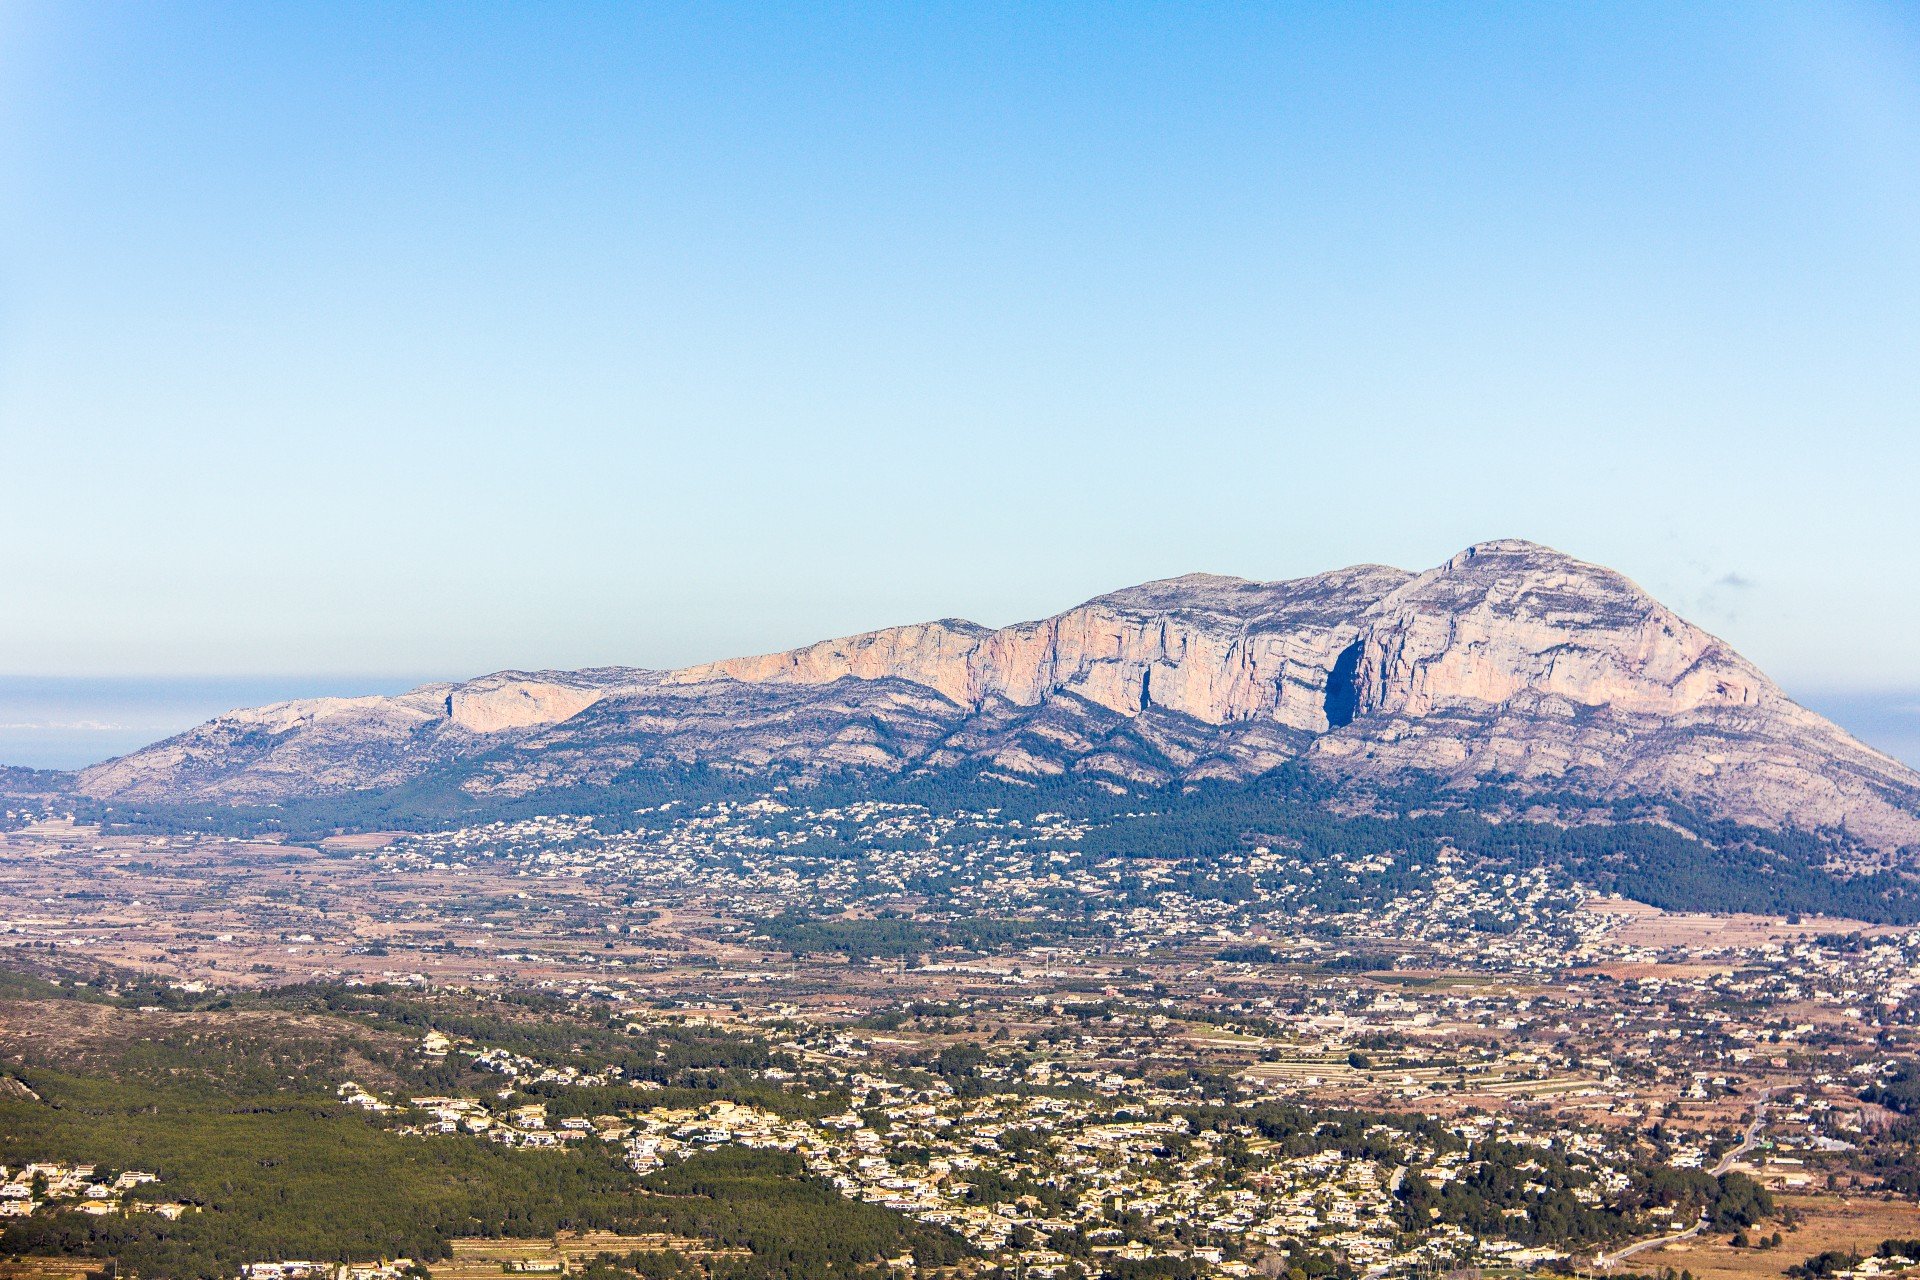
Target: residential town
x,y
1369,1065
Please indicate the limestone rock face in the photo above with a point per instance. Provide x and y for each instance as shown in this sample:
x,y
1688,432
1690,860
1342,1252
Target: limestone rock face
x,y
1514,660
1217,649
1504,619
933,654
511,700
1510,660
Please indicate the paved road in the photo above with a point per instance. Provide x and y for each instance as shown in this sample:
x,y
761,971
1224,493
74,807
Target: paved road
x,y
1747,1143
1752,1138
1611,1259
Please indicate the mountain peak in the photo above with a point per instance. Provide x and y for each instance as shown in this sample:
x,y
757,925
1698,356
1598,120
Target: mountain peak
x,y
1508,547
1510,660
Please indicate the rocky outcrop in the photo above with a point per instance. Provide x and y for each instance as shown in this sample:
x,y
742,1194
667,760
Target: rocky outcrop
x,y
1220,650
515,700
1510,660
322,746
1507,619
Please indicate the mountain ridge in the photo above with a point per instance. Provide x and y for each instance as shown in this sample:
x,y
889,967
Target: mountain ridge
x,y
1510,660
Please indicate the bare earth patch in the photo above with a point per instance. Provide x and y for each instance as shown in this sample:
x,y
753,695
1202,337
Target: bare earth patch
x,y
1825,1222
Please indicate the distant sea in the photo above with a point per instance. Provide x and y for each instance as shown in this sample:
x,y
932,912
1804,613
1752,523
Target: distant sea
x,y
62,723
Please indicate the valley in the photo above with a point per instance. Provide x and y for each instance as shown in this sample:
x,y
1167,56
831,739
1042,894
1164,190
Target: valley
x,y
1061,1065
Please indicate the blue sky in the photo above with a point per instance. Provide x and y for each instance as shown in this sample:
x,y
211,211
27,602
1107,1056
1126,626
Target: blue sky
x,y
432,339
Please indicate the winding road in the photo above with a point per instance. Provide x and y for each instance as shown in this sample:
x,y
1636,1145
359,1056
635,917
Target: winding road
x,y
1747,1143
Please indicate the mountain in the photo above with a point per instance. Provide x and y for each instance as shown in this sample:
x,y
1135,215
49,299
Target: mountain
x,y
1511,662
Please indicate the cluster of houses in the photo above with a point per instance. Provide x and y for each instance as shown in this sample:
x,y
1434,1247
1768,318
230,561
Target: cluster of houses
x,y
79,1188
919,1148
306,1270
1508,1001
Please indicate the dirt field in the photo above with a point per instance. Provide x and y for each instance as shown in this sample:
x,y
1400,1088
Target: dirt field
x,y
51,1268
361,840
1651,927
1826,1222
490,1259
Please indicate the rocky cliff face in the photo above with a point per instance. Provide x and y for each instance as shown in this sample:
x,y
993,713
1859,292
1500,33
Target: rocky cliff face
x,y
1509,660
1516,661
1507,619
1220,650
